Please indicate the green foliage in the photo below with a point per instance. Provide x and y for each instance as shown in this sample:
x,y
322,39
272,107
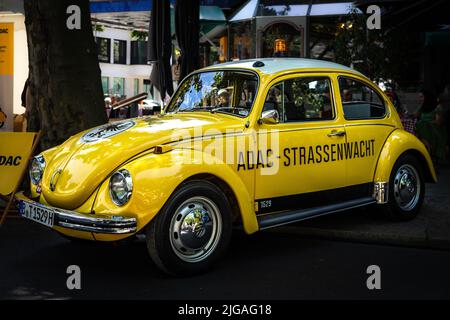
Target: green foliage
x,y
379,54
139,35
98,27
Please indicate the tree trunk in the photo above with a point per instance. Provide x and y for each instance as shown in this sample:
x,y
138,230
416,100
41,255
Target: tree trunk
x,y
65,83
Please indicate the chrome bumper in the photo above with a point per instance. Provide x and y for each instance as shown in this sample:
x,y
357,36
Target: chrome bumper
x,y
98,223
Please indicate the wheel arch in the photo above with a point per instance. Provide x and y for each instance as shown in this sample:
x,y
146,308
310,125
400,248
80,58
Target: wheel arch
x,y
427,174
224,187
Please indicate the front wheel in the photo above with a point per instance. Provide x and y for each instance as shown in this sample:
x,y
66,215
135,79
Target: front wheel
x,y
192,230
406,189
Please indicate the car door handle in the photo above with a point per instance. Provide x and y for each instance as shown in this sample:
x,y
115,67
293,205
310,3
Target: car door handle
x,y
335,133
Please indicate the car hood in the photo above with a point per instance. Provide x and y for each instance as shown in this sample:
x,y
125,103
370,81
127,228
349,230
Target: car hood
x,y
78,166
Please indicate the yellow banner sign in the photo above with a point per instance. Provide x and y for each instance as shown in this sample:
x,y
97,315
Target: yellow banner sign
x,y
6,49
15,150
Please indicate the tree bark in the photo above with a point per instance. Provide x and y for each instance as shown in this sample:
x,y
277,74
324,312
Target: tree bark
x,y
65,79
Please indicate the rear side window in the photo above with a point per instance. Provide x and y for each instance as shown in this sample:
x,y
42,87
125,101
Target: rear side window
x,y
360,102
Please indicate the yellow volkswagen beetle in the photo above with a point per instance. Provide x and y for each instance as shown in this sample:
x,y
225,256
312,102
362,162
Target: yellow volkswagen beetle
x,y
260,143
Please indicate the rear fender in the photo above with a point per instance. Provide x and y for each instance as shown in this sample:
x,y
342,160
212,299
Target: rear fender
x,y
398,143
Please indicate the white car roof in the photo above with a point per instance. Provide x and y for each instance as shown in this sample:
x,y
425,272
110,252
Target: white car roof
x,y
274,65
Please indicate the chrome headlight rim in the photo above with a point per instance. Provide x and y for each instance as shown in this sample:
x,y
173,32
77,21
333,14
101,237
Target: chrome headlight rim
x,y
125,175
39,161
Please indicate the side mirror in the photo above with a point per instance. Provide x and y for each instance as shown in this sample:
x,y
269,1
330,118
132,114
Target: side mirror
x,y
270,117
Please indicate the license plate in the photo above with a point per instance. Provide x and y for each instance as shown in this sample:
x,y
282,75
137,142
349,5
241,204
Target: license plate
x,y
37,213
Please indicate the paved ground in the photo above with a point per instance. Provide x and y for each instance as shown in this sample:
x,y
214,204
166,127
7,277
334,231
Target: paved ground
x,y
431,229
263,266
295,262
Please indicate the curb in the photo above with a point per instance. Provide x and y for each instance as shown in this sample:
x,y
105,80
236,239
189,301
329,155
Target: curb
x,y
365,237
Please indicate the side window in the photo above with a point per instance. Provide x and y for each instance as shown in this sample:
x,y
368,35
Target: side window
x,y
301,99
360,101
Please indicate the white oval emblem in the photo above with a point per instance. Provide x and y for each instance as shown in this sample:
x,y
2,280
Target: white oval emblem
x,y
107,131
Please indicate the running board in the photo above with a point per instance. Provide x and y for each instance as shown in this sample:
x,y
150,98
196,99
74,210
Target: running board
x,y
278,219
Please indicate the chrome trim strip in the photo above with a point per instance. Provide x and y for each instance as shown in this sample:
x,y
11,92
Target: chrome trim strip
x,y
97,229
286,217
97,223
381,192
369,124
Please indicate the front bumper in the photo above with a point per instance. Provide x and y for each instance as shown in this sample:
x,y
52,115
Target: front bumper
x,y
98,223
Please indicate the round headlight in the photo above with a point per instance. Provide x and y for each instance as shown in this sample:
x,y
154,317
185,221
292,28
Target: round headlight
x,y
121,187
37,169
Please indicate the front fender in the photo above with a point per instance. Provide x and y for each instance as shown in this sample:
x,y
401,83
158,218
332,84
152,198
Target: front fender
x,y
156,176
398,143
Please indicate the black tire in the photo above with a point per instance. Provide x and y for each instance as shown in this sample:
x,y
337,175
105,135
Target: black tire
x,y
205,213
398,208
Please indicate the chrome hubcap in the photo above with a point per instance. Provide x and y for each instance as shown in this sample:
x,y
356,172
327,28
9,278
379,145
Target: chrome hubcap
x,y
407,187
195,229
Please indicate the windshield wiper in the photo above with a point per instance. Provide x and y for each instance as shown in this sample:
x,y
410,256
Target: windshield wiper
x,y
220,108
195,109
232,110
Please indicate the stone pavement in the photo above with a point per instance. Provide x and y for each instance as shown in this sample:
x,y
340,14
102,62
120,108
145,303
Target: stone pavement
x,y
430,229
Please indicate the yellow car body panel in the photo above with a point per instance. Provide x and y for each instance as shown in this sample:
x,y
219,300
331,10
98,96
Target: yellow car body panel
x,y
151,194
85,168
398,143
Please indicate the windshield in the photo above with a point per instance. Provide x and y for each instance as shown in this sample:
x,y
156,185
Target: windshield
x,y
231,92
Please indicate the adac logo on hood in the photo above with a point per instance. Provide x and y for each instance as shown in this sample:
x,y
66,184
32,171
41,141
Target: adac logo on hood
x,y
107,131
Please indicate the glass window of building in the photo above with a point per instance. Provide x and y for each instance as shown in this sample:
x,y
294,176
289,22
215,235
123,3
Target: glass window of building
x,y
136,87
282,40
147,87
280,28
243,40
105,84
104,49
286,8
138,52
120,51
119,86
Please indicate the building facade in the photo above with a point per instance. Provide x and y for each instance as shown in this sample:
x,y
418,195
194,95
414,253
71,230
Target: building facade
x,y
123,62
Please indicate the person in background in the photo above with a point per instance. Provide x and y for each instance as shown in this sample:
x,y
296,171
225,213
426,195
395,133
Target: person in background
x,y
346,95
408,121
108,106
224,98
430,128
390,92
176,70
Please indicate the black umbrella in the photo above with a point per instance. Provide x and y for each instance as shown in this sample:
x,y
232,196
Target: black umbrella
x,y
187,32
160,47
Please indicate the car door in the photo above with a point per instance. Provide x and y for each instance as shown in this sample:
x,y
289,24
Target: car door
x,y
305,166
367,125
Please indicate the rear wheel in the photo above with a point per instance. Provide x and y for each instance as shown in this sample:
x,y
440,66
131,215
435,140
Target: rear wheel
x,y
192,231
406,189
